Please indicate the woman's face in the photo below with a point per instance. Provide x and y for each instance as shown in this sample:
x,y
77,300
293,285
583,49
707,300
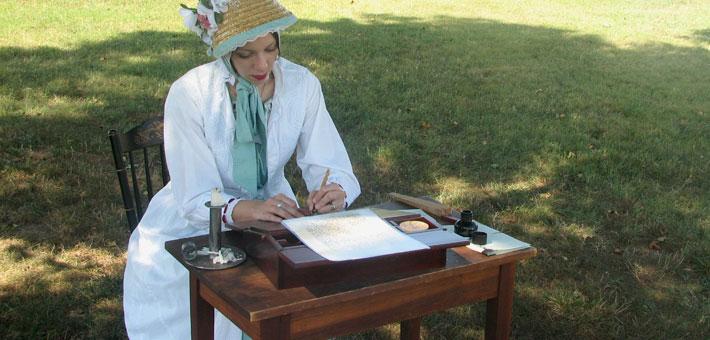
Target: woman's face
x,y
255,60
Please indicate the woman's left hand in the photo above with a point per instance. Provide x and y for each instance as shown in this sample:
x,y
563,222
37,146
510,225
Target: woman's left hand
x,y
330,198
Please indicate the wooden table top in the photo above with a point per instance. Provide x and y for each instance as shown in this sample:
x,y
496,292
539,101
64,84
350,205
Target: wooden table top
x,y
246,289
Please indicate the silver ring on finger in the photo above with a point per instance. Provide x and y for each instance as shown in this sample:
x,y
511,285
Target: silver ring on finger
x,y
280,204
332,207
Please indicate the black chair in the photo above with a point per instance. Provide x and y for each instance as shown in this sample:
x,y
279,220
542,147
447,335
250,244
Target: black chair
x,y
146,137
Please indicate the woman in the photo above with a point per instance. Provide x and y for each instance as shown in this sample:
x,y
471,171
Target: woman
x,y
231,124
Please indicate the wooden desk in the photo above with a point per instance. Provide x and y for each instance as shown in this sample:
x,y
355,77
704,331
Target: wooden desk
x,y
246,296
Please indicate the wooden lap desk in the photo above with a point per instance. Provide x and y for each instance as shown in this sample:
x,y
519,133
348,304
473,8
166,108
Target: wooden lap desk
x,y
246,296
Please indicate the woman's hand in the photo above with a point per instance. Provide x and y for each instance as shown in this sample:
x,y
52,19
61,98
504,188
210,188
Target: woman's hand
x,y
274,209
329,198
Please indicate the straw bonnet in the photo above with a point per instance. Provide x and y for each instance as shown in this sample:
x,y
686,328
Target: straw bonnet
x,y
225,25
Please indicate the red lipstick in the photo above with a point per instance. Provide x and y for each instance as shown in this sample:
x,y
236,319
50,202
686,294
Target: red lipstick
x,y
261,77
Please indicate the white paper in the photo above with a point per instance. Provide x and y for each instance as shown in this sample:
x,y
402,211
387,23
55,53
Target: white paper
x,y
497,242
350,235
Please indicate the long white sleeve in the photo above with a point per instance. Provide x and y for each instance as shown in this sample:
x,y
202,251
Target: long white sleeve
x,y
192,166
320,148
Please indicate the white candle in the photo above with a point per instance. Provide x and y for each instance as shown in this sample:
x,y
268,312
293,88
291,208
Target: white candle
x,y
217,199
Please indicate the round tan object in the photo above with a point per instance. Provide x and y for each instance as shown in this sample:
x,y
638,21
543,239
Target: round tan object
x,y
412,226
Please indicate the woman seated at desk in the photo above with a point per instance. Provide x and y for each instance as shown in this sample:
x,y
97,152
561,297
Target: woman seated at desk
x,y
231,124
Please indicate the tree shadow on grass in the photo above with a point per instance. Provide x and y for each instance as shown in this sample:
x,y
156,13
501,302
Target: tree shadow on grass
x,y
701,35
441,74
476,103
53,299
487,105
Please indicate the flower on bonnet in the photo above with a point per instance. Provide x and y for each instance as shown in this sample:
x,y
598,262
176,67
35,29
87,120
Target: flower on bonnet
x,y
220,5
204,19
189,19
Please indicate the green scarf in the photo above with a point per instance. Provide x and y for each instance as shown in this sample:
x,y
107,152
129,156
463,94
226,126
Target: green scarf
x,y
249,148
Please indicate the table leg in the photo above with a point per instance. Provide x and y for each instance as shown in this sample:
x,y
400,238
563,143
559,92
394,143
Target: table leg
x,y
499,309
201,312
277,328
410,329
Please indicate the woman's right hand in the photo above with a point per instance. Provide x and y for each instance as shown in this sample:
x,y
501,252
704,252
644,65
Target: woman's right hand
x,y
274,209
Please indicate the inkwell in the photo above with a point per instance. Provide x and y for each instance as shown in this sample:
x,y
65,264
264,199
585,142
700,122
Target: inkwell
x,y
466,227
215,255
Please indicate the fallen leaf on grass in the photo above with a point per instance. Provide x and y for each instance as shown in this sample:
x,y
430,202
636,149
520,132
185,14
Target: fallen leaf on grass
x,y
618,251
426,125
654,246
564,258
587,236
76,314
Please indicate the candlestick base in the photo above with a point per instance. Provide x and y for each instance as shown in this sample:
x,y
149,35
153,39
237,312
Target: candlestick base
x,y
205,260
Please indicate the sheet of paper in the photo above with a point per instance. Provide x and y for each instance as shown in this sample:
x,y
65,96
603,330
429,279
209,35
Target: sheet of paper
x,y
386,213
350,235
497,242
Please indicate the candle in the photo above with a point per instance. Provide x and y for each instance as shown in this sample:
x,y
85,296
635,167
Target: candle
x,y
217,199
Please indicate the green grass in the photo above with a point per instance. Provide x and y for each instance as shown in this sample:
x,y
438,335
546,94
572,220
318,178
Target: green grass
x,y
580,127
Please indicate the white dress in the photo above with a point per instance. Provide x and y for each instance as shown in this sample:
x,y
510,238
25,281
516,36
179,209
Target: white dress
x,y
199,132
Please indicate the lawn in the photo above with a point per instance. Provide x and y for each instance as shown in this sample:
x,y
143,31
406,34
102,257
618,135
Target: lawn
x,y
579,127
